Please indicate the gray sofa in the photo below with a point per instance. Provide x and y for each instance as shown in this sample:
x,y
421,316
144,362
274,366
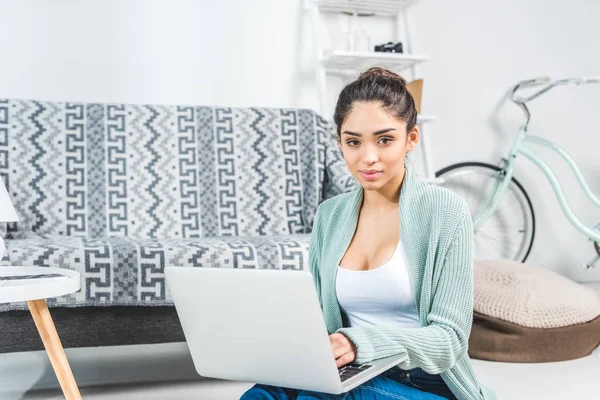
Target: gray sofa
x,y
119,191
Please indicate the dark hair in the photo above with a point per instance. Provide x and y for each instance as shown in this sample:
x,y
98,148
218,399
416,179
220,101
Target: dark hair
x,y
381,86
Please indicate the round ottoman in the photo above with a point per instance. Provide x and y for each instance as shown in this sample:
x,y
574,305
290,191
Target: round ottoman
x,y
527,314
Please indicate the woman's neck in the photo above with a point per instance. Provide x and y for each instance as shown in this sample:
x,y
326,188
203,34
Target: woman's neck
x,y
385,198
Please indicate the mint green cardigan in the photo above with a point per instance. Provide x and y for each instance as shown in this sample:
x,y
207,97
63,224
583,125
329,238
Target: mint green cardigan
x,y
437,237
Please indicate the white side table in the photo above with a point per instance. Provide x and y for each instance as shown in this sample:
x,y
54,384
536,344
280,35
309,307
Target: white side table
x,y
34,291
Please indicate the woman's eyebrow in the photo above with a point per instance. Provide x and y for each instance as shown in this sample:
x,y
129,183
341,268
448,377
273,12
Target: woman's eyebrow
x,y
380,132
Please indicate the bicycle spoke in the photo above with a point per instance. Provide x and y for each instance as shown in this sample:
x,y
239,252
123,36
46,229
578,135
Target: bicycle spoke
x,y
479,249
493,240
470,196
503,225
506,233
494,243
489,255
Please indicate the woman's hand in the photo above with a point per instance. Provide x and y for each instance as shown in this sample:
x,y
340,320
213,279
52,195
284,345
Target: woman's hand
x,y
344,350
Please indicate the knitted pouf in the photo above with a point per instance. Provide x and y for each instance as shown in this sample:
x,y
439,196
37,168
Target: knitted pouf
x,y
528,314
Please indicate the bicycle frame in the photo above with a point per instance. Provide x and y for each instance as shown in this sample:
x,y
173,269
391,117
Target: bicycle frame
x,y
520,146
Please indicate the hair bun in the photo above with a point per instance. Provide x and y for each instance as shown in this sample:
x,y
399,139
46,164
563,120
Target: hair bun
x,y
375,72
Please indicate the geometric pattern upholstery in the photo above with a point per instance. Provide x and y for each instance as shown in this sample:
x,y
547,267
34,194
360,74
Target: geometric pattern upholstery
x,y
119,191
122,271
161,171
337,178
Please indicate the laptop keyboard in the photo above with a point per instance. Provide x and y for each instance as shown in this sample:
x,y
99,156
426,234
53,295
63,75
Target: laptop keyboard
x,y
349,370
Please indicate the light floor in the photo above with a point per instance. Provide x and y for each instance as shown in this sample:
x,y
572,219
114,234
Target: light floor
x,y
166,371
577,379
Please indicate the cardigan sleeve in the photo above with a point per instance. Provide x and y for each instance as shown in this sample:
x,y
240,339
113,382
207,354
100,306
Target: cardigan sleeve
x,y
314,254
439,345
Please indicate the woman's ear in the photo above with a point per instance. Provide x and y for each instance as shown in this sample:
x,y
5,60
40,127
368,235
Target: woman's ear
x,y
412,138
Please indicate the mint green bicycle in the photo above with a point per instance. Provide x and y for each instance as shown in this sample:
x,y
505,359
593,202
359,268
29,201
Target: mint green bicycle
x,y
503,216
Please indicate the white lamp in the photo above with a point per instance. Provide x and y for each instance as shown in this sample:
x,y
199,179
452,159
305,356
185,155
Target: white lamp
x,y
7,212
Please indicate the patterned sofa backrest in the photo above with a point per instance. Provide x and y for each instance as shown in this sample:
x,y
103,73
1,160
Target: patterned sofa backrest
x,y
151,171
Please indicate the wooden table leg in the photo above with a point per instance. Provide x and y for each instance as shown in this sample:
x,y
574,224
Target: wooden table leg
x,y
45,326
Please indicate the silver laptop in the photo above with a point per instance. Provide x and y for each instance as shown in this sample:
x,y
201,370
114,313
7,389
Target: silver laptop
x,y
261,326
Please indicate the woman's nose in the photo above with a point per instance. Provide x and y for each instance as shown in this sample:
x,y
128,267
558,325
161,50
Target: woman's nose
x,y
370,155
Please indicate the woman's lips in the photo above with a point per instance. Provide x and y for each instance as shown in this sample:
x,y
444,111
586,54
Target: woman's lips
x,y
370,175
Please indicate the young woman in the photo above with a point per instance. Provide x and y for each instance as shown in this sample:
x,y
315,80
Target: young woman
x,y
392,260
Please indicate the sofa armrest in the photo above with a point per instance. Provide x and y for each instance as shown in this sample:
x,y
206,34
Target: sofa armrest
x,y
337,178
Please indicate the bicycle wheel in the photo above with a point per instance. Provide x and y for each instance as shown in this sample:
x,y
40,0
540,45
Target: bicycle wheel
x,y
508,233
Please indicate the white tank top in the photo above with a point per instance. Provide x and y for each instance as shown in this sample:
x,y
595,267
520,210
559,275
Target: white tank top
x,y
380,296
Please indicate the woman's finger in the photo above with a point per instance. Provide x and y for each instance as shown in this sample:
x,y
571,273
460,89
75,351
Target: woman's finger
x,y
345,359
339,345
339,340
339,351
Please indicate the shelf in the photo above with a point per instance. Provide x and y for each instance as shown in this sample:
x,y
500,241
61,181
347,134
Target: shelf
x,y
366,7
347,61
421,119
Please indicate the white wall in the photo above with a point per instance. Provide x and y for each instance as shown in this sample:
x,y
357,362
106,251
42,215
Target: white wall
x,y
242,53
479,49
170,51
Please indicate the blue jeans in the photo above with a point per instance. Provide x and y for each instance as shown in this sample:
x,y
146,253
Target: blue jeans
x,y
395,384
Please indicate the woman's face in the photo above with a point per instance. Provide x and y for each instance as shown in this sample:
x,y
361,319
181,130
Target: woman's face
x,y
374,144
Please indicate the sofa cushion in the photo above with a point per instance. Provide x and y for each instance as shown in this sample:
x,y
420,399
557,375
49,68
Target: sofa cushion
x,y
129,272
528,314
497,340
531,296
156,171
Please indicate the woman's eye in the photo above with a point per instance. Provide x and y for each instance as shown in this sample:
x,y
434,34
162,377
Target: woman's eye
x,y
384,140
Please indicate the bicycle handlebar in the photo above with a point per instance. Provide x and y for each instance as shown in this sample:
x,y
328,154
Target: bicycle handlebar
x,y
591,79
540,80
549,85
544,80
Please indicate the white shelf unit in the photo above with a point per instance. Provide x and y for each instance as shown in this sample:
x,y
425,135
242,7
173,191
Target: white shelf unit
x,y
384,8
348,64
424,118
351,61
